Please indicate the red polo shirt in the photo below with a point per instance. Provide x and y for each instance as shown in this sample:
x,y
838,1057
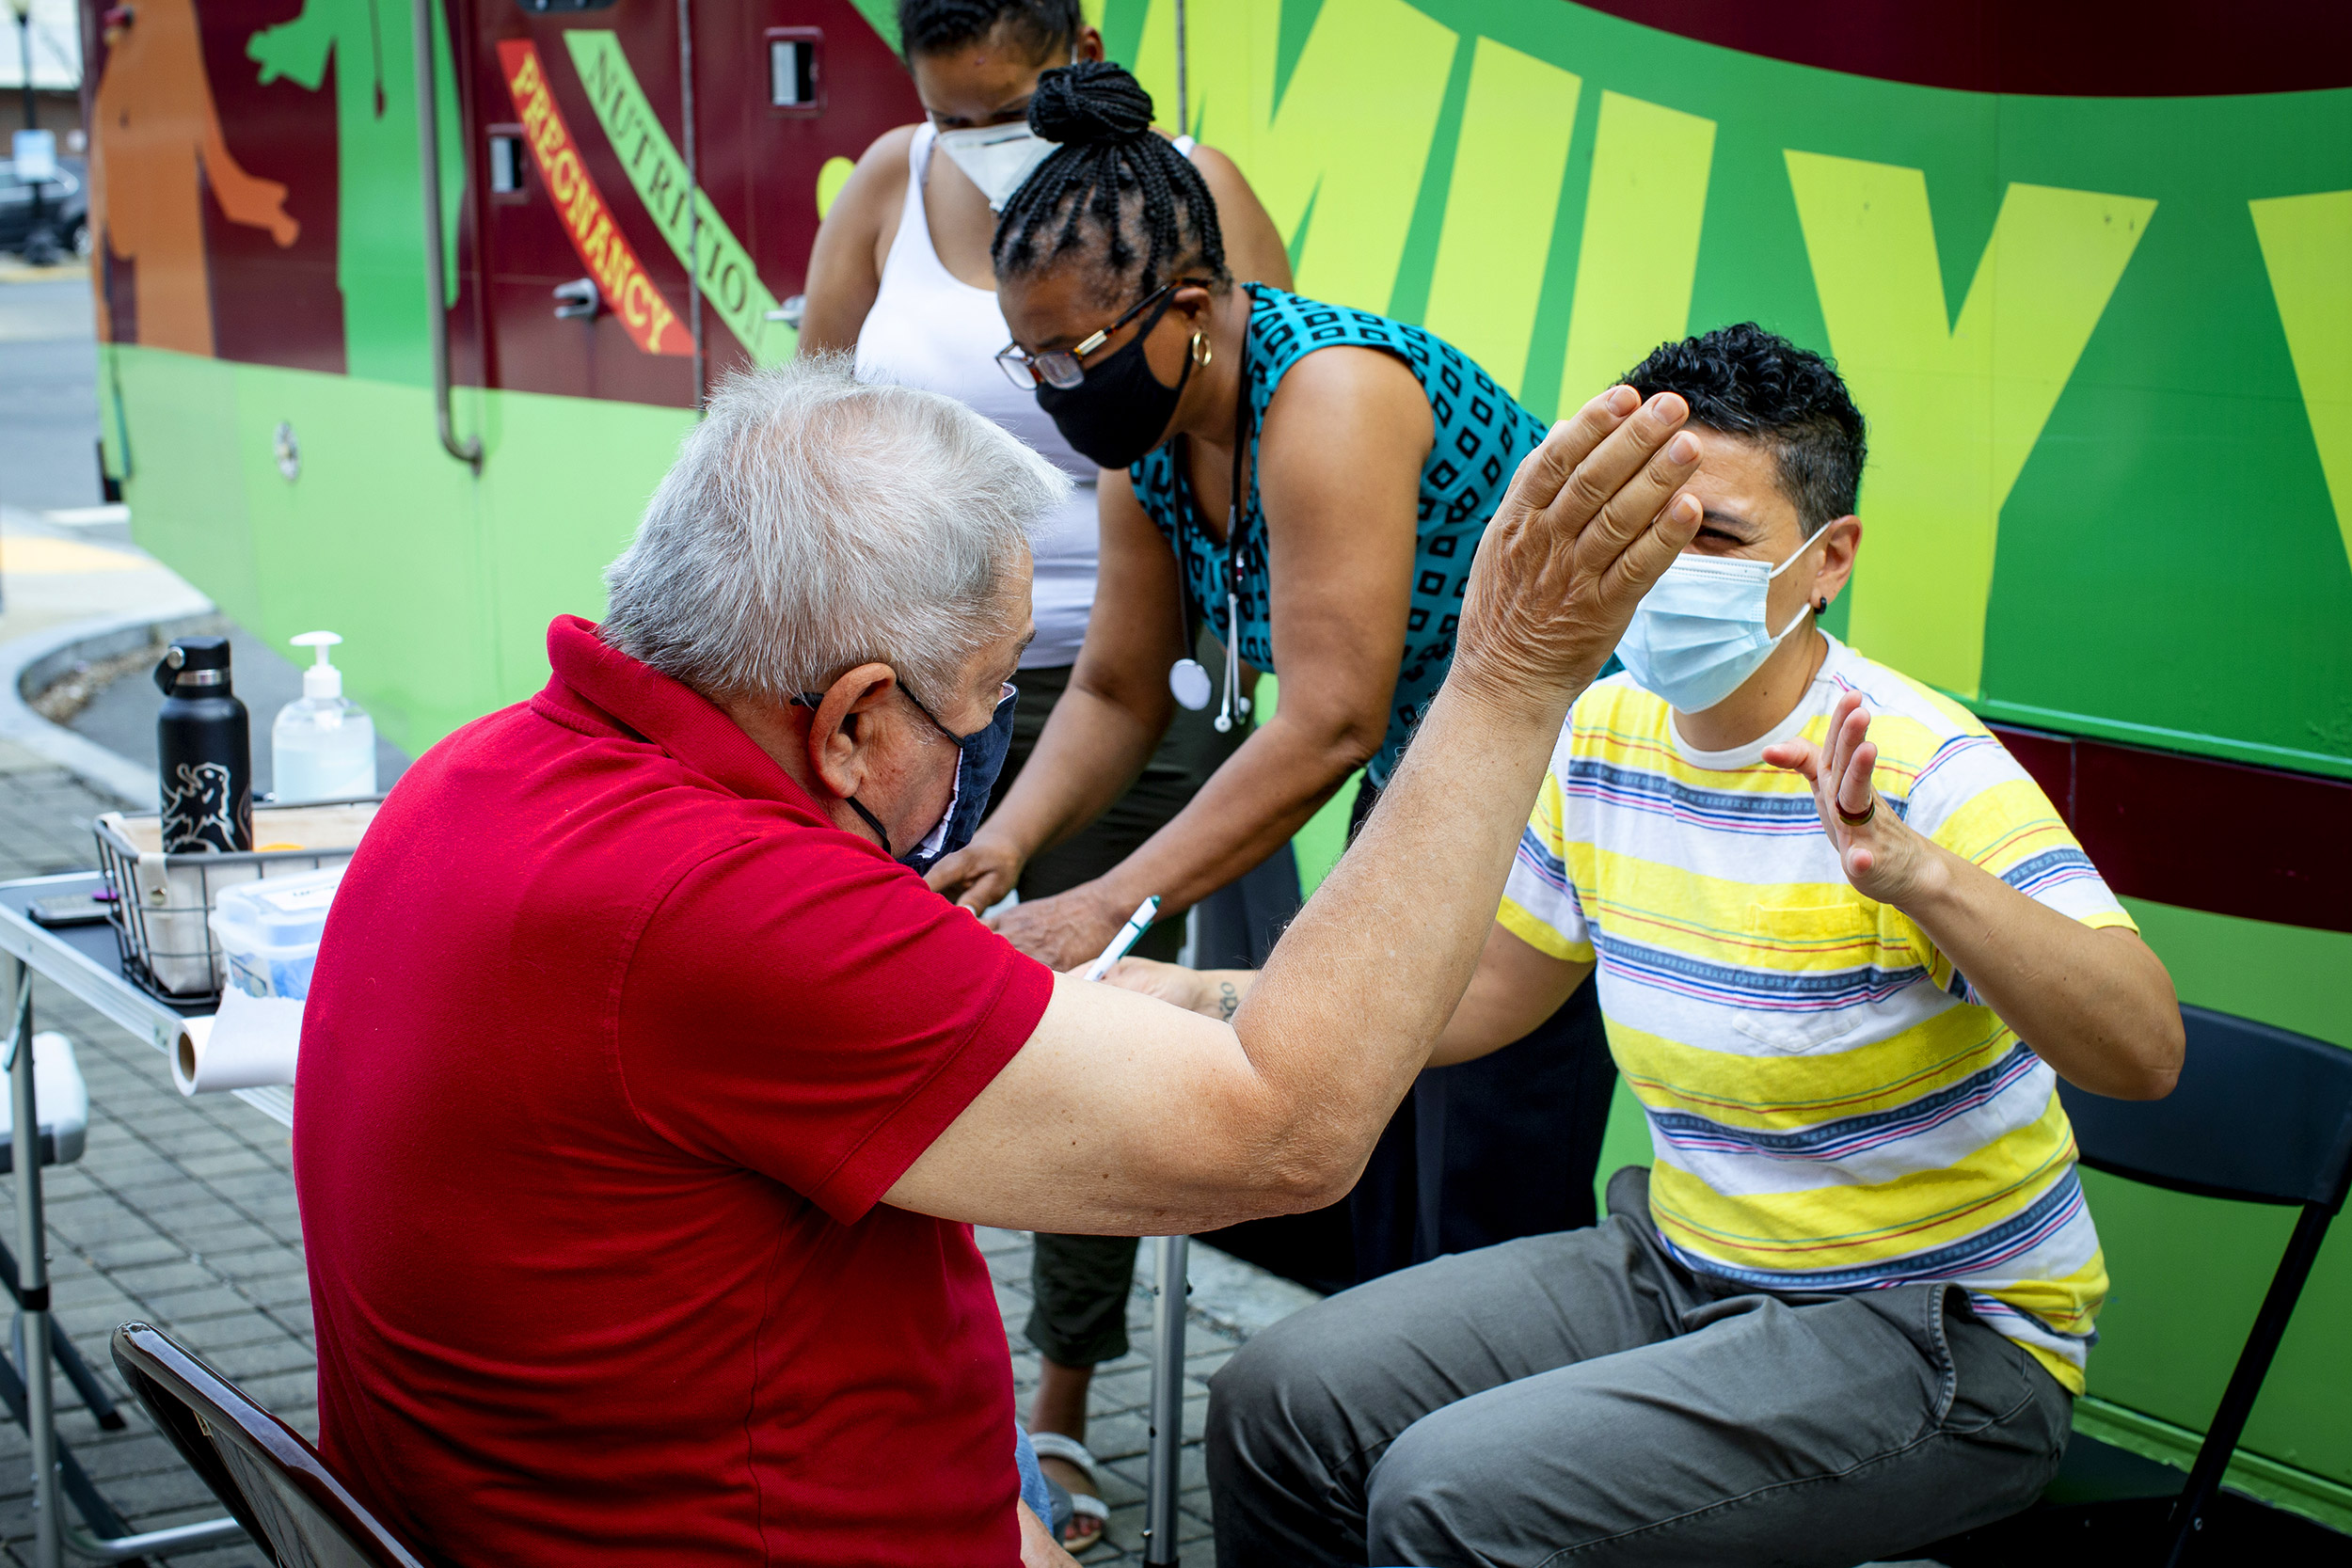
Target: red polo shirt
x,y
613,1045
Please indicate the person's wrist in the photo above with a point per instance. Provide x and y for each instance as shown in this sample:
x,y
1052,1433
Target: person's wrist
x,y
1108,903
1201,995
1512,697
1927,877
993,839
1226,988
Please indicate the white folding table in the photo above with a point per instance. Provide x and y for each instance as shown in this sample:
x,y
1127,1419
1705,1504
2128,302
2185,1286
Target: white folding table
x,y
82,961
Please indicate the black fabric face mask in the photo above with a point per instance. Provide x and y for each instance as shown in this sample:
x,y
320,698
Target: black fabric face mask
x,y
1120,411
981,757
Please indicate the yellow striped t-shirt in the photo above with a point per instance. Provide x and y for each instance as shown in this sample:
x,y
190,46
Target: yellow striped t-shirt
x,y
1830,1105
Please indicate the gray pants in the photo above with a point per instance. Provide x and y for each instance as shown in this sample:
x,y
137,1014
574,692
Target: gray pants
x,y
1581,1397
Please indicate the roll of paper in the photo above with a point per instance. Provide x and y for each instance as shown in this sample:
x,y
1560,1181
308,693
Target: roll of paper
x,y
253,1040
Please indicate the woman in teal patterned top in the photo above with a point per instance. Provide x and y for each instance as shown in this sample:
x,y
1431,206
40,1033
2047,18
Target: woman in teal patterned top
x,y
1479,436
1372,455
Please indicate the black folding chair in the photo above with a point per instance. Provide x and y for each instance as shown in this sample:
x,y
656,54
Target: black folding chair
x,y
2260,1116
266,1473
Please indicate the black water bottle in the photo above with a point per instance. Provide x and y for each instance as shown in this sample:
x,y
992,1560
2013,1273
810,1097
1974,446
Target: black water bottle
x,y
203,750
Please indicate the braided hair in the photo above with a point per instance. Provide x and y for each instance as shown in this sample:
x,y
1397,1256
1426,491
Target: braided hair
x,y
1115,188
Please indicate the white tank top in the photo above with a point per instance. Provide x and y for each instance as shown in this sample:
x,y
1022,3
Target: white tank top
x,y
929,328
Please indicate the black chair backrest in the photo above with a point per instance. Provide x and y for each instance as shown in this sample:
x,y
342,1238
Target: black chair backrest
x,y
266,1473
2259,1115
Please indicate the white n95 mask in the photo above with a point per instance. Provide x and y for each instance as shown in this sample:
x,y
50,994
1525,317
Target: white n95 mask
x,y
996,158
1700,631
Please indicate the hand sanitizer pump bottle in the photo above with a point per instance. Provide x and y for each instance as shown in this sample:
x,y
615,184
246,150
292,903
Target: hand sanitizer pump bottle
x,y
322,747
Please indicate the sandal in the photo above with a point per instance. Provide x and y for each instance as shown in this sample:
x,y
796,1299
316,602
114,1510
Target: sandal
x,y
1055,1444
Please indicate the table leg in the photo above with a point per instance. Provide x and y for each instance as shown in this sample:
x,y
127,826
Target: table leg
x,y
1163,1463
33,1274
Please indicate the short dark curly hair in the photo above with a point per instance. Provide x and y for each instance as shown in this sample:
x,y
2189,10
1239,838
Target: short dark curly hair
x,y
1744,381
932,26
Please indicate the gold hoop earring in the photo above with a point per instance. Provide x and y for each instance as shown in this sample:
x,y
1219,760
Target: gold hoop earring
x,y
1201,352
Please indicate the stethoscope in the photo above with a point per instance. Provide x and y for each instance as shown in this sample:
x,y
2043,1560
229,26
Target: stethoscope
x,y
1186,680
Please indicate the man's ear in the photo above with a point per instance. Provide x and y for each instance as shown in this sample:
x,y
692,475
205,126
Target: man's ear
x,y
839,733
1843,536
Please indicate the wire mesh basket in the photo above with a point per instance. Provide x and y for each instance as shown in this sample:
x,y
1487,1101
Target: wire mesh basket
x,y
161,902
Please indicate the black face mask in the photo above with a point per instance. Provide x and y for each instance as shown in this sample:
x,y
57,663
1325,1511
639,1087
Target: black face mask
x,y
1120,411
981,757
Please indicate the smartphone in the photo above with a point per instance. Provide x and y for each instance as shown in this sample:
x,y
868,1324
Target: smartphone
x,y
72,909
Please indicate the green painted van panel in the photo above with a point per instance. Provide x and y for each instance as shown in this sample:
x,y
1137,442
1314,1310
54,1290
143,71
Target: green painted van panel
x,y
2058,555
443,582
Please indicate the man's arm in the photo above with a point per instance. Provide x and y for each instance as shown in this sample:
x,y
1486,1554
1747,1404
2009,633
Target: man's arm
x,y
1517,986
2095,1003
1124,1115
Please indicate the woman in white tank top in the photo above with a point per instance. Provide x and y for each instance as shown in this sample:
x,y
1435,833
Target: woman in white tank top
x,y
900,274
901,271
929,328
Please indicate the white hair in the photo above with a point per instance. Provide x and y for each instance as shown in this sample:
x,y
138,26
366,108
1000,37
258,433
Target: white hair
x,y
814,522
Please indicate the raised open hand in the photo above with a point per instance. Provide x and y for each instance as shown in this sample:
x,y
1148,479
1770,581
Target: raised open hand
x,y
1592,519
1881,856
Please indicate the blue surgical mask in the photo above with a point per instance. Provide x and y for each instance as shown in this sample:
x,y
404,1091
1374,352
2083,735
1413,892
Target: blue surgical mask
x,y
981,758
1700,632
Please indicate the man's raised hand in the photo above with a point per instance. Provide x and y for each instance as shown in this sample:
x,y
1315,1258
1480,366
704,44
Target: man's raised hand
x,y
1592,519
1883,857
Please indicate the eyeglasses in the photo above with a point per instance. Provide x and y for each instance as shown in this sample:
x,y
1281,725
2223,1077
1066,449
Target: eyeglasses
x,y
1060,368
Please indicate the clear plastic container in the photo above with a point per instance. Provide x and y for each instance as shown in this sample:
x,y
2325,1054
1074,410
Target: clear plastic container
x,y
269,932
162,901
322,747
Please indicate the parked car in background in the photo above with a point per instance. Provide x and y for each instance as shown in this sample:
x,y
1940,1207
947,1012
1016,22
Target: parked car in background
x,y
62,209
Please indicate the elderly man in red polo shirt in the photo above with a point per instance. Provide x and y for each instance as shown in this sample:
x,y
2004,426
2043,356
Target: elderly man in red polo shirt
x,y
648,1096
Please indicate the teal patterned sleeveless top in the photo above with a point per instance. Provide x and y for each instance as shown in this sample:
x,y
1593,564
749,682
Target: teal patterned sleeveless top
x,y
1481,431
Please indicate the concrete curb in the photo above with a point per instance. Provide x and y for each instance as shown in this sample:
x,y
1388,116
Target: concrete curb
x,y
30,663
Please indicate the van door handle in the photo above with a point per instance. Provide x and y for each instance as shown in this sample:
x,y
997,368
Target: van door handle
x,y
576,300
467,451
